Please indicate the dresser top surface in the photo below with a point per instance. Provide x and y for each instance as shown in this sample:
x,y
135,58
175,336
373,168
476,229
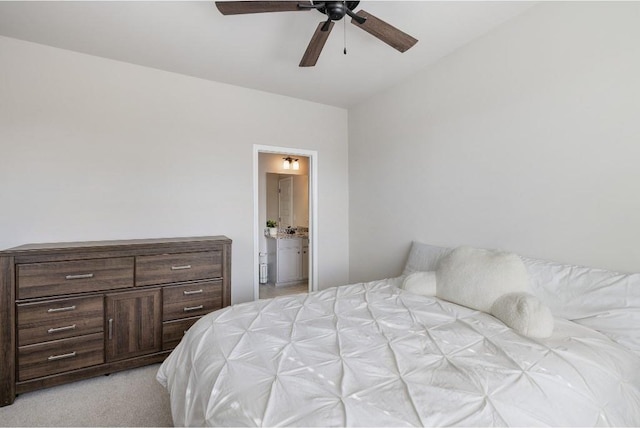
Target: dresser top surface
x,y
110,244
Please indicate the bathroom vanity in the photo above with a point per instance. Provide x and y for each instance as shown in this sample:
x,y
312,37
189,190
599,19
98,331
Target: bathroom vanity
x,y
288,258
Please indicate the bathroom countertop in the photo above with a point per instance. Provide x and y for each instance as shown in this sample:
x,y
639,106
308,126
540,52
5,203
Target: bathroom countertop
x,y
283,235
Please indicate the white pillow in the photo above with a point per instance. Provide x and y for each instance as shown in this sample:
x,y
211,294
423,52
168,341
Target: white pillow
x,y
606,301
495,282
423,257
476,277
524,313
423,283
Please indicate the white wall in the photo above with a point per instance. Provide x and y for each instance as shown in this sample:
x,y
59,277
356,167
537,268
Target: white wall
x,y
527,139
98,149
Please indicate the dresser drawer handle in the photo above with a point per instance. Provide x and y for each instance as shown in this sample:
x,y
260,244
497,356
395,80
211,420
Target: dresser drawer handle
x,y
193,308
80,276
181,267
59,329
62,356
189,293
66,308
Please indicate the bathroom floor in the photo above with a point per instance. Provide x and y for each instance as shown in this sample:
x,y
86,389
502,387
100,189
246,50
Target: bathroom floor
x,y
268,291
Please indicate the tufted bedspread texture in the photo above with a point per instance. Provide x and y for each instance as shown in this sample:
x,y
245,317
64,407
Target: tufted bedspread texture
x,y
375,355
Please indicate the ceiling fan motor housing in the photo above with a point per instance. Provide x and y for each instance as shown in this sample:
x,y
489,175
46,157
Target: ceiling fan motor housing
x,y
336,10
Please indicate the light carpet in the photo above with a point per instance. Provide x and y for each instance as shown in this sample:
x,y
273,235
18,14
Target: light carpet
x,y
130,398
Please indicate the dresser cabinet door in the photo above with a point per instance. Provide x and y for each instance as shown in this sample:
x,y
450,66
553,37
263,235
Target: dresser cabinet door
x,y
133,324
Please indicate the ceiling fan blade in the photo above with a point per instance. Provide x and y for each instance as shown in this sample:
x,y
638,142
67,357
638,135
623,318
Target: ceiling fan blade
x,y
240,7
316,44
387,33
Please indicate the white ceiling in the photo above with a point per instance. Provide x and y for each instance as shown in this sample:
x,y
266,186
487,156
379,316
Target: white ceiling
x,y
259,51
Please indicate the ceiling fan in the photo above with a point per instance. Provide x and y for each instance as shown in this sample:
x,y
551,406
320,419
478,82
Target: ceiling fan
x,y
335,11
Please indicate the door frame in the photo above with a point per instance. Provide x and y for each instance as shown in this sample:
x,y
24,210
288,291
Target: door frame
x,y
313,211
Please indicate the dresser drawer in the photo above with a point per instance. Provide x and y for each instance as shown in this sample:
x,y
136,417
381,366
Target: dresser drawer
x,y
173,331
53,278
58,319
167,268
191,300
60,356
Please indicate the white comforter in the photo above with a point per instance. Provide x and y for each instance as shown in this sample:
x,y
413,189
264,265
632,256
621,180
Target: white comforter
x,y
374,355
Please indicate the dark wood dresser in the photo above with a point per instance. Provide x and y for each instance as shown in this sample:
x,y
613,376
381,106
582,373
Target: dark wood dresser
x,y
69,311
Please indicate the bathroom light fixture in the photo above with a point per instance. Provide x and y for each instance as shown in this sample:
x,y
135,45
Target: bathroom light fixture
x,y
288,161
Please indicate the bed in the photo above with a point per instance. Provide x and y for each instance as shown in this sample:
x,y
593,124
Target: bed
x,y
375,354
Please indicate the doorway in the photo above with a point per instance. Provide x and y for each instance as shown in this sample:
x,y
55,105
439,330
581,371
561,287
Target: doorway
x,y
285,257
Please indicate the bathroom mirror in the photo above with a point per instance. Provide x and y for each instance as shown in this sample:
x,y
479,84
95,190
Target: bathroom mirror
x,y
288,200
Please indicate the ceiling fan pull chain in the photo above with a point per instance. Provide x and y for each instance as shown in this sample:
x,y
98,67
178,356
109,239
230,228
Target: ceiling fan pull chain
x,y
344,21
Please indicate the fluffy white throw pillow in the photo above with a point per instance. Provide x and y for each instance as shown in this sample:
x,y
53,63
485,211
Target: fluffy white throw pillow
x,y
495,282
423,283
524,313
476,277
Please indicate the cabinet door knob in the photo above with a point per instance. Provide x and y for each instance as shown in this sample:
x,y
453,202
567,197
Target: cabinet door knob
x,y
110,328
